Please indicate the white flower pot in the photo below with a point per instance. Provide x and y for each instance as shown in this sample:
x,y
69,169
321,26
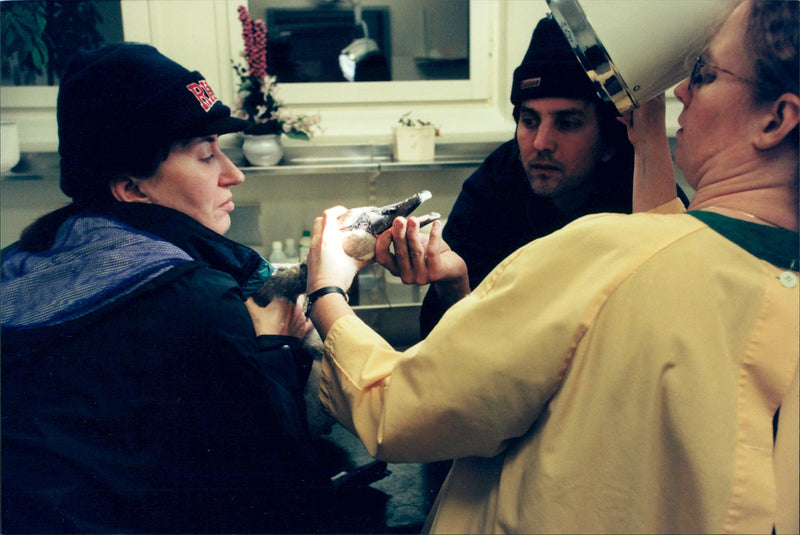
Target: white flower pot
x,y
262,150
413,143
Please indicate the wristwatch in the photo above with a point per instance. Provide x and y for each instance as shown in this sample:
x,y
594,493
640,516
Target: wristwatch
x,y
325,290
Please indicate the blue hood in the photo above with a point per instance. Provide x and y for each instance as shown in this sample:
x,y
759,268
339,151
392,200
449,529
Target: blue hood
x,y
93,261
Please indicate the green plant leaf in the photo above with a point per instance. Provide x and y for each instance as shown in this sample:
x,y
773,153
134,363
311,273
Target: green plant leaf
x,y
294,134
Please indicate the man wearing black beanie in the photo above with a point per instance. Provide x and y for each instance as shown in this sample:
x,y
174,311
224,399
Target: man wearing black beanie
x,y
570,157
141,390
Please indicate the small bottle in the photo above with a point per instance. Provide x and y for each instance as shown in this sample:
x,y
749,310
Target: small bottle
x,y
304,245
292,254
277,256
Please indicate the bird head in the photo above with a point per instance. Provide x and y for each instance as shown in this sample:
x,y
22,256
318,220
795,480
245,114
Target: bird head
x,y
361,226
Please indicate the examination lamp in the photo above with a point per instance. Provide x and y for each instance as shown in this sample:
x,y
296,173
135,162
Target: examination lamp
x,y
354,54
640,55
362,59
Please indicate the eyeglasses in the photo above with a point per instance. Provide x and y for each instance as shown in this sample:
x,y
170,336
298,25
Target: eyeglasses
x,y
704,73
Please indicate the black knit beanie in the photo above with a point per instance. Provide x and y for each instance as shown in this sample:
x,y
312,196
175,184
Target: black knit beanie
x,y
550,68
121,103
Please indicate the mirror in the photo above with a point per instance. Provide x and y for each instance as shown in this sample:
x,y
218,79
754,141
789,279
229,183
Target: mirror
x,y
408,84
401,40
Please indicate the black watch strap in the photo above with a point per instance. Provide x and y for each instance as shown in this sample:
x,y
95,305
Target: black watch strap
x,y
325,290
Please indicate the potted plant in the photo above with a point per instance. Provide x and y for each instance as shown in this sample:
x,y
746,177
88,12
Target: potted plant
x,y
38,38
413,139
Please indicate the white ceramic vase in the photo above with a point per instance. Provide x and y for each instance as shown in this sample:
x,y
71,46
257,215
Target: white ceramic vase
x,y
262,150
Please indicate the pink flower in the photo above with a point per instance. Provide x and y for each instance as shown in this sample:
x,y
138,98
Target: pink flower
x,y
254,35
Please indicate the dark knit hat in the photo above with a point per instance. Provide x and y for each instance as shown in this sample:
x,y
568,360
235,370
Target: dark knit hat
x,y
550,68
121,103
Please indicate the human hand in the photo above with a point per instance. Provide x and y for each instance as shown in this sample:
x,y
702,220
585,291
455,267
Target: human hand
x,y
279,317
647,122
421,259
328,264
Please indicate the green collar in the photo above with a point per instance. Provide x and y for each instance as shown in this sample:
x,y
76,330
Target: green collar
x,y
777,246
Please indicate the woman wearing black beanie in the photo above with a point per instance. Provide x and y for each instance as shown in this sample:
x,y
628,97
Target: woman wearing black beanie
x,y
141,390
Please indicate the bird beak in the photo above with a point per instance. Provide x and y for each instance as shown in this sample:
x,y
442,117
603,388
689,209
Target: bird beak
x,y
376,220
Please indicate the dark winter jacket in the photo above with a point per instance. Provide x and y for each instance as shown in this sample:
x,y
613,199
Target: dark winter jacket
x,y
136,396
